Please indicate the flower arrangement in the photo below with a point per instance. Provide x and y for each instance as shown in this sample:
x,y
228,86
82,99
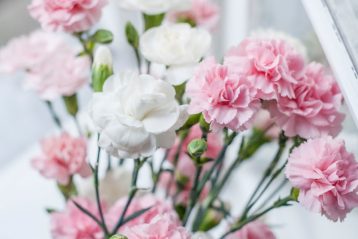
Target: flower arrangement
x,y
176,134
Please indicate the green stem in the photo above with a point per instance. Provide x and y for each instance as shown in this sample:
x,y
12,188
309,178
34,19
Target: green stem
x,y
98,198
267,173
137,165
194,195
160,171
54,116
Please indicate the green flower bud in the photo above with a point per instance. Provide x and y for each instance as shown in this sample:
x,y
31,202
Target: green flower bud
x,y
197,148
181,179
71,104
132,35
102,68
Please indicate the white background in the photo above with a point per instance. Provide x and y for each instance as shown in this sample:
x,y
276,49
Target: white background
x,y
24,120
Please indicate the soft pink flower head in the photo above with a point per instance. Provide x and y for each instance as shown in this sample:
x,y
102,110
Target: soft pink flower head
x,y
159,227
204,13
327,176
158,207
62,157
25,52
225,98
69,16
315,109
272,65
49,62
253,230
72,223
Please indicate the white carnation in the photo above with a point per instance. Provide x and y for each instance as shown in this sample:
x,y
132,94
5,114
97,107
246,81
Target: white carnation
x,y
176,44
135,114
153,7
201,235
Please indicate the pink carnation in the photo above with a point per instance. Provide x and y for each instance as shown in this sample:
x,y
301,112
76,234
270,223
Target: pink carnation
x,y
72,223
272,65
327,176
225,98
70,15
314,109
27,51
50,64
158,207
160,227
253,230
62,157
204,13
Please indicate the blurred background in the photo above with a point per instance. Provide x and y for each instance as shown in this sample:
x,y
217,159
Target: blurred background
x,y
25,120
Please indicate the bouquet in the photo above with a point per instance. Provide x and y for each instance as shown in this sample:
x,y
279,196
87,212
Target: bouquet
x,y
166,136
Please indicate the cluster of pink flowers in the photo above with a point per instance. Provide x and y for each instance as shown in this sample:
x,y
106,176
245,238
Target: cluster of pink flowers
x,y
50,64
185,168
327,176
160,221
203,13
303,99
62,157
69,16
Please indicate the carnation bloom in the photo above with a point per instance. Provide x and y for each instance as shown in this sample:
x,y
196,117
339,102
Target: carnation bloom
x,y
50,64
253,230
69,16
175,44
153,7
161,226
72,223
158,207
203,13
326,175
273,65
135,114
225,98
62,157
315,109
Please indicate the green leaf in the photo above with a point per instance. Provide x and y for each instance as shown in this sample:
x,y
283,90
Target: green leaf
x,y
102,36
118,237
132,35
151,21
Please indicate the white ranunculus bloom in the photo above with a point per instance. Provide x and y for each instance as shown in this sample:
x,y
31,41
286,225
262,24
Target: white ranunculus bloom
x,y
153,7
135,114
175,44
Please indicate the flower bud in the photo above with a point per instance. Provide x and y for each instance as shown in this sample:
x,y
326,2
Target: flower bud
x,y
102,67
71,104
118,237
214,216
197,148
